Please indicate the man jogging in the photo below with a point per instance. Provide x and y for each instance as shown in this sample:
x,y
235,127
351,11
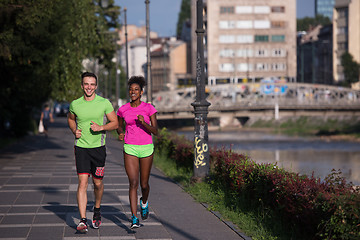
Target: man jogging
x,y
87,122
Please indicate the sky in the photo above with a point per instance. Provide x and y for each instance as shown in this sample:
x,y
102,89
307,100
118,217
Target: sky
x,y
163,14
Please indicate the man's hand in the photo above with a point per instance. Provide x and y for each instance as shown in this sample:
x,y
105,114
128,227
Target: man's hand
x,y
77,133
96,127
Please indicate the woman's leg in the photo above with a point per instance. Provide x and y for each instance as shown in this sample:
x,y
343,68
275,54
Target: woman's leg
x,y
132,171
145,168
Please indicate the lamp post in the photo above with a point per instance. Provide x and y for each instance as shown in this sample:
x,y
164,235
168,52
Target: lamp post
x,y
126,55
166,60
201,147
148,61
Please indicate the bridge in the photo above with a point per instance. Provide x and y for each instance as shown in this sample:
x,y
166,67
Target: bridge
x,y
267,99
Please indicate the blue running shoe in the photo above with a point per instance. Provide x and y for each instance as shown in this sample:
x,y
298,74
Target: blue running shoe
x,y
134,222
144,210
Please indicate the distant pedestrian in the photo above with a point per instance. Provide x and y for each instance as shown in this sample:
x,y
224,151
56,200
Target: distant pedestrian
x,y
140,120
87,122
46,118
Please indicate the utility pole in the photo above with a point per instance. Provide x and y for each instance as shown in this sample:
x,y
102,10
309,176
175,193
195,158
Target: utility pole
x,y
126,56
201,147
148,61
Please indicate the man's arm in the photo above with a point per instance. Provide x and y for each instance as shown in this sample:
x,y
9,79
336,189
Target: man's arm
x,y
72,125
111,125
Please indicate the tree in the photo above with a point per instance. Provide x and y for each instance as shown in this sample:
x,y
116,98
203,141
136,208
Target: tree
x,y
42,46
306,23
351,68
184,14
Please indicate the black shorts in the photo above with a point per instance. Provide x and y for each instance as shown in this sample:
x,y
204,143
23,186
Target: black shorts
x,y
90,161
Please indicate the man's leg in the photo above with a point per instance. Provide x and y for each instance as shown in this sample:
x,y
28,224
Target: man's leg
x,y
98,191
82,202
82,194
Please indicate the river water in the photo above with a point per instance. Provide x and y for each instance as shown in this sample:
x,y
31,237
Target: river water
x,y
297,154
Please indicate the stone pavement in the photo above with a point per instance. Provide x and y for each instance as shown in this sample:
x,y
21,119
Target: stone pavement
x,y
38,185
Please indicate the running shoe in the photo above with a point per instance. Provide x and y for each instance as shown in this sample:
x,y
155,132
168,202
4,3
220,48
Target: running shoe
x,y
144,210
82,226
96,219
134,222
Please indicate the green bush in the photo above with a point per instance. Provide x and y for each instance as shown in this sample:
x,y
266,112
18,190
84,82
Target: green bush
x,y
323,209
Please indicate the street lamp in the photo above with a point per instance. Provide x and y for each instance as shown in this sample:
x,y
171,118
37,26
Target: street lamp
x,y
201,151
126,54
148,61
165,52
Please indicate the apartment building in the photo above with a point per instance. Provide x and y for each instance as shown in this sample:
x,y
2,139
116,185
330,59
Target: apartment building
x,y
324,7
248,40
346,33
168,62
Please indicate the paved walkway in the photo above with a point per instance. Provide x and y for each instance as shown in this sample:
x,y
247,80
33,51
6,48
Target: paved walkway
x,y
38,185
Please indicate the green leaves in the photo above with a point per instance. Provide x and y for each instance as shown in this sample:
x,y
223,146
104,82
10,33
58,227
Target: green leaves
x,y
43,44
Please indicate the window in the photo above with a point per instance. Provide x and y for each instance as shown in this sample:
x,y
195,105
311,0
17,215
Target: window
x,y
226,10
262,66
278,9
227,53
261,38
244,67
261,53
227,39
244,9
226,67
244,53
278,66
244,39
277,24
278,38
227,24
261,24
278,52
244,24
261,9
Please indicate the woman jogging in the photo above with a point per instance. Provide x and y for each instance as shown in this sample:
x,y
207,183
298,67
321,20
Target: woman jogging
x,y
140,120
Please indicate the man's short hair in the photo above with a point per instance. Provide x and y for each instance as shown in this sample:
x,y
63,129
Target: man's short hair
x,y
88,74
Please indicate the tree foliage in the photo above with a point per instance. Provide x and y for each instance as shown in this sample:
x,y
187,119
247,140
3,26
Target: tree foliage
x,y
351,68
184,14
306,23
42,46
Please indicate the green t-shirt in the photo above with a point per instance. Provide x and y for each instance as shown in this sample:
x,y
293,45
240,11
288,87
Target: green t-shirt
x,y
87,111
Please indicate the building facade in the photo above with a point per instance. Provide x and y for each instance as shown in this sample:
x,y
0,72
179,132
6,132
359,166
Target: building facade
x,y
324,7
314,56
168,61
249,40
346,34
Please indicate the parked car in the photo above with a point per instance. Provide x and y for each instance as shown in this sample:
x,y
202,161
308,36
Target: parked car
x,y
61,109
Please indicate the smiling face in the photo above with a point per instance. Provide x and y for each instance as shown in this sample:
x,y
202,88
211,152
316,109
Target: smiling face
x,y
89,86
135,92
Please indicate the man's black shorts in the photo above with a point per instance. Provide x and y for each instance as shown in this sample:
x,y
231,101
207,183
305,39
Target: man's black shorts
x,y
90,161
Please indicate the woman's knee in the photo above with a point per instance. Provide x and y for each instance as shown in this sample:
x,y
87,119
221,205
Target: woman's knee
x,y
133,183
145,185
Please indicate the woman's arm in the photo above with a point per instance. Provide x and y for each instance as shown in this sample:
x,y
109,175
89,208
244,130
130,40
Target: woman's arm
x,y
153,128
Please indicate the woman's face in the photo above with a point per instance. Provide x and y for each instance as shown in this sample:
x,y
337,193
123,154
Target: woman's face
x,y
135,91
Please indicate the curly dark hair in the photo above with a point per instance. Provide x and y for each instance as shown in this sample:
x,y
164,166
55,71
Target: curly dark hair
x,y
140,80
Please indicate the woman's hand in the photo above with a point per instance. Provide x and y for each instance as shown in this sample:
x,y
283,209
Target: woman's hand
x,y
141,119
121,136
